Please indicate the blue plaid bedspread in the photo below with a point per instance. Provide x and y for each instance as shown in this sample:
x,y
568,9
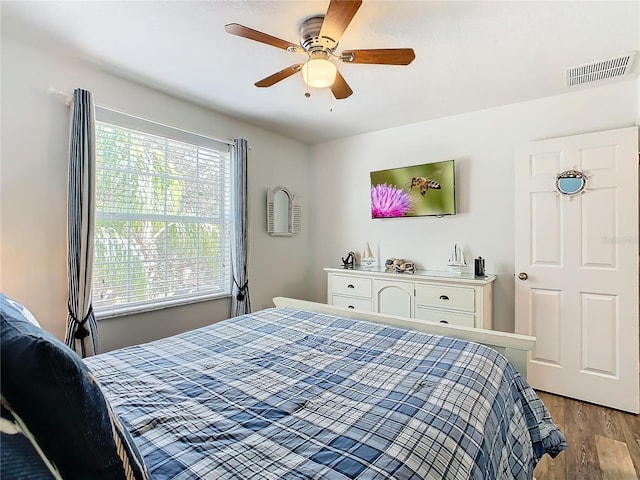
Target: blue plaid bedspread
x,y
284,393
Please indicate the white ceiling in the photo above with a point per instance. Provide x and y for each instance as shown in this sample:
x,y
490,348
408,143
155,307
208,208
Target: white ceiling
x,y
469,55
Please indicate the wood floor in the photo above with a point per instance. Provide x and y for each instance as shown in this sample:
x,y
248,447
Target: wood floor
x,y
602,444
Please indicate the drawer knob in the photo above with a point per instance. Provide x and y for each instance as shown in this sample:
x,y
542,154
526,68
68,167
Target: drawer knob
x,y
350,286
444,297
443,321
351,307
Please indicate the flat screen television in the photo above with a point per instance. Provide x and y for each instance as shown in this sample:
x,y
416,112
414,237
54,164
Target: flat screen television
x,y
416,191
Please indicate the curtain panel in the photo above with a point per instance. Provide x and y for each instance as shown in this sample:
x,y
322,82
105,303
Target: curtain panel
x,y
240,301
82,329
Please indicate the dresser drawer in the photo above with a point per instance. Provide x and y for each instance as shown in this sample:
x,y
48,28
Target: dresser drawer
x,y
362,304
442,296
464,320
351,286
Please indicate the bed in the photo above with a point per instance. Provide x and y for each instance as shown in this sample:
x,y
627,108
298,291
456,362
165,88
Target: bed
x,y
302,391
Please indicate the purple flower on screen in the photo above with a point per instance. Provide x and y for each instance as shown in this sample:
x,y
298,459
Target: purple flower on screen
x,y
388,201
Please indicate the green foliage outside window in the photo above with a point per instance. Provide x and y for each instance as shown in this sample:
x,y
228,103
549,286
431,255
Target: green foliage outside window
x,y
162,219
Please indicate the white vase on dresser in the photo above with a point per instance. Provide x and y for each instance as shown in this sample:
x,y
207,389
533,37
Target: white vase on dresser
x,y
456,298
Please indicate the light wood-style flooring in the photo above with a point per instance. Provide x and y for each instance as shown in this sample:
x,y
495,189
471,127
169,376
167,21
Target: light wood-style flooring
x,y
602,443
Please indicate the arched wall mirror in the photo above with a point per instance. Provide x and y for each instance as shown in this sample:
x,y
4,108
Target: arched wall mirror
x,y
284,215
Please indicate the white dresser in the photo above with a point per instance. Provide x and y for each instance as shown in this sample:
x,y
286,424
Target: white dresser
x,y
447,297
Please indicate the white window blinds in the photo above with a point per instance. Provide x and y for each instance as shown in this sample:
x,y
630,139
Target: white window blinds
x,y
163,216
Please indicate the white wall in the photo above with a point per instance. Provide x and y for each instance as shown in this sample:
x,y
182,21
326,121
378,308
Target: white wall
x,y
34,180
482,144
332,180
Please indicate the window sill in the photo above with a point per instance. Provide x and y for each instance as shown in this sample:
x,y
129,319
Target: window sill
x,y
107,314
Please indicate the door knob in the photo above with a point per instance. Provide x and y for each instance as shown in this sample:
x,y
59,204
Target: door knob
x,y
523,276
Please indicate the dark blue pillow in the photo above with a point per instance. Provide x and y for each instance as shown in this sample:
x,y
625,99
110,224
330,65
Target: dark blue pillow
x,y
19,455
49,386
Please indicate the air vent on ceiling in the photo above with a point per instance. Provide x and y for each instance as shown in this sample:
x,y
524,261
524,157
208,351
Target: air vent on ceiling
x,y
600,70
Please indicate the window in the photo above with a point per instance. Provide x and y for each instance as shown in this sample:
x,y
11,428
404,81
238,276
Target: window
x,y
163,216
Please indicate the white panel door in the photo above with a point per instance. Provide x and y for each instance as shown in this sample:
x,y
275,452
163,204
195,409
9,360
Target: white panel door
x,y
577,267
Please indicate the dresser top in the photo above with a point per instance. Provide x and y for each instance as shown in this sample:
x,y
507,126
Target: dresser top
x,y
378,271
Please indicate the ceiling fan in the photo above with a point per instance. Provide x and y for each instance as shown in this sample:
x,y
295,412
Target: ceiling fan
x,y
319,36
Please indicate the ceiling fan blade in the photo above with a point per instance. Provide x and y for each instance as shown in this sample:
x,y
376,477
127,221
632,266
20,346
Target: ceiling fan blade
x,y
281,75
340,88
338,17
251,34
383,56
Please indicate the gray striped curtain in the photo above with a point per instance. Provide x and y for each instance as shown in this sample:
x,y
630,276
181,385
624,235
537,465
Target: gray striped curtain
x,y
82,329
240,302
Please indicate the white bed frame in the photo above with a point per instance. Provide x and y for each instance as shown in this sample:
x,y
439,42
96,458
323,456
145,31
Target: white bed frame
x,y
511,345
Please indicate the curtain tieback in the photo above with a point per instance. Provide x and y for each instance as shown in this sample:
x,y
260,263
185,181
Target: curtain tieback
x,y
81,330
242,290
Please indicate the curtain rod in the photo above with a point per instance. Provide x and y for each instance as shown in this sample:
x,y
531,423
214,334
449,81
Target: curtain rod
x,y
69,100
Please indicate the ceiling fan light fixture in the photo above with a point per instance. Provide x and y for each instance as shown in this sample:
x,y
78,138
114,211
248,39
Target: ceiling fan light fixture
x,y
319,73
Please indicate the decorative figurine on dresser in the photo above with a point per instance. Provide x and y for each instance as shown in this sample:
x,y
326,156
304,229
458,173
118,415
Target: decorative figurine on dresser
x,y
456,261
350,261
367,260
400,265
458,298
